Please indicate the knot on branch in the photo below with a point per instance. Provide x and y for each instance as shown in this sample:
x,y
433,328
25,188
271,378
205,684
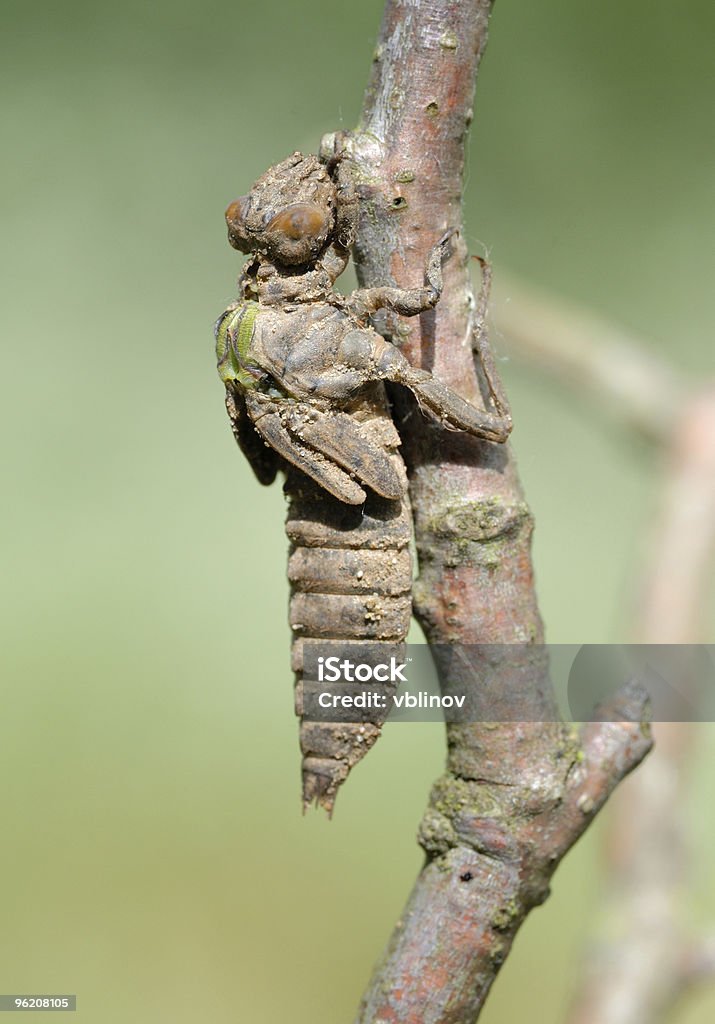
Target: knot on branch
x,y
475,532
488,520
465,812
490,816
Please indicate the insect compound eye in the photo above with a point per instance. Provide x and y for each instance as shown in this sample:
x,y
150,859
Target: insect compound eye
x,y
298,233
236,223
301,220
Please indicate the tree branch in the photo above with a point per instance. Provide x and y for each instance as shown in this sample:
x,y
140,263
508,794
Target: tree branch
x,y
515,797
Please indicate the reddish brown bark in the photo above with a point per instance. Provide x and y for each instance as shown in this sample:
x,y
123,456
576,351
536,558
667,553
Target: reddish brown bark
x,y
515,796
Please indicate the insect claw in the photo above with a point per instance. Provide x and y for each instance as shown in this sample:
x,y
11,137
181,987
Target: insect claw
x,y
444,244
449,233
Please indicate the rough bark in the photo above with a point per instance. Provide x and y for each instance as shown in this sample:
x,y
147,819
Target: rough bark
x,y
515,796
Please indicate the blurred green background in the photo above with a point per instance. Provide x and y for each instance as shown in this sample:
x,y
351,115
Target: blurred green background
x,y
154,859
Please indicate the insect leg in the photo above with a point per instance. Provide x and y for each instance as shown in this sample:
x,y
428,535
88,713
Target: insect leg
x,y
405,301
449,407
492,424
483,350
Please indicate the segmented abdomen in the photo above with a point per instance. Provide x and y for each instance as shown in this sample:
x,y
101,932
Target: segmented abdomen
x,y
350,571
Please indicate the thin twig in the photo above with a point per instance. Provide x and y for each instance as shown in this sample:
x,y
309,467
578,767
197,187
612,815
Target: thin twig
x,y
592,355
674,592
697,965
515,797
641,960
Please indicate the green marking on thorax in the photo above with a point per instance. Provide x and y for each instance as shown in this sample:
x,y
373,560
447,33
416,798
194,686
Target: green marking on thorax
x,y
233,339
249,312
